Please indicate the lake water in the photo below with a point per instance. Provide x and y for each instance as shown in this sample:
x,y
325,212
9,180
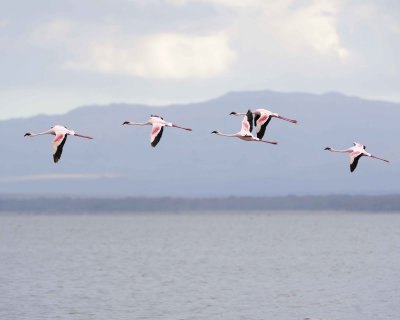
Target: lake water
x,y
278,266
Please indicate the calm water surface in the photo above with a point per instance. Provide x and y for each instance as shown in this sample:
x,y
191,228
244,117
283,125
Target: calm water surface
x,y
285,266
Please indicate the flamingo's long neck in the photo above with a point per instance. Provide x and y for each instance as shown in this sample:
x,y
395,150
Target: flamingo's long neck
x,y
138,123
340,150
234,135
240,114
42,133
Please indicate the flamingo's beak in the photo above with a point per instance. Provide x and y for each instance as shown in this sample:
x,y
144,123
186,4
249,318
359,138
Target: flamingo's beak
x,y
27,134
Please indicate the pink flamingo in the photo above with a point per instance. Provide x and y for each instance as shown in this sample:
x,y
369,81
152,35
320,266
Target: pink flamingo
x,y
158,124
355,153
58,143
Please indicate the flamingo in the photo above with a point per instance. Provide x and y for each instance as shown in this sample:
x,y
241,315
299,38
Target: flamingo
x,y
61,134
262,117
245,132
158,124
356,152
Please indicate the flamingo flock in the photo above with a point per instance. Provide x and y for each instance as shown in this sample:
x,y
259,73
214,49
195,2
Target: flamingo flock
x,y
258,119
262,117
245,132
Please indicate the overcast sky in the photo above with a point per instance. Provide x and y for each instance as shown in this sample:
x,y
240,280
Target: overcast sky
x,y
57,55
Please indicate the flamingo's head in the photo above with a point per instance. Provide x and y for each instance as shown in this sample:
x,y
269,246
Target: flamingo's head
x,y
233,113
214,132
126,122
27,134
328,148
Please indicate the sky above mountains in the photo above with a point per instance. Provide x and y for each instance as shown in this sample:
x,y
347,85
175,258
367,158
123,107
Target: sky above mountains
x,y
56,55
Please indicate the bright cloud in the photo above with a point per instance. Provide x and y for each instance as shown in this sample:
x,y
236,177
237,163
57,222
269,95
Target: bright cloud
x,y
314,26
160,56
292,25
228,3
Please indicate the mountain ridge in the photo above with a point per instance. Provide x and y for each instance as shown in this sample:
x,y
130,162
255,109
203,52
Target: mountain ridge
x,y
227,94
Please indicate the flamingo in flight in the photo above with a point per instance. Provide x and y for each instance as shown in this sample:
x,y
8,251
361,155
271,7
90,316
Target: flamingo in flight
x,y
158,124
262,117
355,153
245,132
58,143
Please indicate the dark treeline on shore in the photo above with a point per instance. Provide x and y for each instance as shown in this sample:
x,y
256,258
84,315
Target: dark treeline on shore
x,y
385,203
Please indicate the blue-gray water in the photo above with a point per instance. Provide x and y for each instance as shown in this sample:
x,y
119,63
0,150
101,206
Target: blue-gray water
x,y
276,266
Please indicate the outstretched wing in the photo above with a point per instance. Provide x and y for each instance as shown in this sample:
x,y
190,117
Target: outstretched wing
x,y
354,157
261,124
247,122
58,145
256,117
249,116
156,134
155,116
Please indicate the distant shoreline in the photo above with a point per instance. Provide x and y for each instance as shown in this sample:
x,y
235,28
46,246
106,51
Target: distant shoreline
x,y
66,204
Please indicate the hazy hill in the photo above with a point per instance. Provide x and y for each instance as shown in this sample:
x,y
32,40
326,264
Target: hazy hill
x,y
120,161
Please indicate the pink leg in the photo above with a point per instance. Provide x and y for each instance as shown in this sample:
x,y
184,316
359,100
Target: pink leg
x,y
175,126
